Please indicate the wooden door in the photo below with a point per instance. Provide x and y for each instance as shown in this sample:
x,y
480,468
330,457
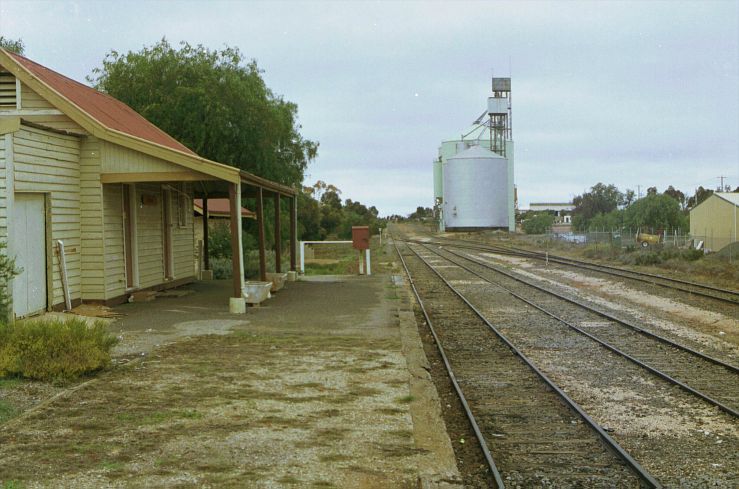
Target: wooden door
x,y
28,245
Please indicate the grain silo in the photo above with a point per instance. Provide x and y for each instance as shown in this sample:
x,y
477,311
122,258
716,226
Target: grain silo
x,y
475,190
495,205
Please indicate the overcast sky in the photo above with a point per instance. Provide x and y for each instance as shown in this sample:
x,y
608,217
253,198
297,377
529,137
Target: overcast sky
x,y
643,93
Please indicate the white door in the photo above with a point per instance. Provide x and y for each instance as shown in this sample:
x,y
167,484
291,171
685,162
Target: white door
x,y
28,245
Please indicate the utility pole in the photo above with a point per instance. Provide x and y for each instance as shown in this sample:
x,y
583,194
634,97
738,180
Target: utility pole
x,y
638,192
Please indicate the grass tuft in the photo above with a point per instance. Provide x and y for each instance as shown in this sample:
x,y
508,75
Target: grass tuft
x,y
54,349
7,411
12,485
405,399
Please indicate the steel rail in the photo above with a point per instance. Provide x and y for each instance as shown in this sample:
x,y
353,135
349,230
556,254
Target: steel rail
x,y
641,277
595,266
610,442
603,314
608,269
645,274
605,344
473,422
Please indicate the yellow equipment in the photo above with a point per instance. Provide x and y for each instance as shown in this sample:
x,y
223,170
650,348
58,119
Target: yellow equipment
x,y
646,240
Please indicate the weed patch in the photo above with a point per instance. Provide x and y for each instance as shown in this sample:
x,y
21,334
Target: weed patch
x,y
340,267
331,434
391,411
288,480
10,383
322,484
7,411
158,417
333,457
111,466
12,485
54,349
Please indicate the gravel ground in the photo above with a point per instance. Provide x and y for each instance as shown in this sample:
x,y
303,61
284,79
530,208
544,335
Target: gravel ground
x,y
710,331
311,390
661,426
535,439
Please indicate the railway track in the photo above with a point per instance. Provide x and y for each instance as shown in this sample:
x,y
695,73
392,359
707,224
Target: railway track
x,y
531,432
712,380
693,288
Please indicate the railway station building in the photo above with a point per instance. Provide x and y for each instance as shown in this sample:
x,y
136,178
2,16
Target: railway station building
x,y
97,203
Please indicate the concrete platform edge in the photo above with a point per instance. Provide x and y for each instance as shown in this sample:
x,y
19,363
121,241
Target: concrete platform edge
x,y
437,470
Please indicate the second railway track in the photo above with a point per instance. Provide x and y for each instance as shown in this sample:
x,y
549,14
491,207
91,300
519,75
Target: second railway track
x,y
712,380
695,289
536,439
669,451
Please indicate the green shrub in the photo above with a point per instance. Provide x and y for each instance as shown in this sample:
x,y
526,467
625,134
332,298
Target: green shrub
x,y
54,349
8,270
538,224
685,254
647,258
221,267
251,263
601,251
219,239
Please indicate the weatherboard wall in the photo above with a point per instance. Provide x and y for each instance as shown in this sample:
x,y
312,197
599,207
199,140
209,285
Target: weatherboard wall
x,y
3,193
183,232
46,114
91,220
49,163
124,160
112,239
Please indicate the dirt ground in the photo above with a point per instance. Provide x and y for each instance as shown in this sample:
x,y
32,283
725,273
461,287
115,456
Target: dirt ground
x,y
322,386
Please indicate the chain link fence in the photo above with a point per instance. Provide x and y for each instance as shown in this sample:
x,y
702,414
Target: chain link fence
x,y
626,237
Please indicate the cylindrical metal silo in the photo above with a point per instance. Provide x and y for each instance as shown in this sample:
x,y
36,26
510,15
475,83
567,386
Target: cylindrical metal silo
x,y
475,190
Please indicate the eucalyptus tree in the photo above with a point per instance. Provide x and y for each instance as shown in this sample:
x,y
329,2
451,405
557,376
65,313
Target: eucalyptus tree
x,y
13,45
215,102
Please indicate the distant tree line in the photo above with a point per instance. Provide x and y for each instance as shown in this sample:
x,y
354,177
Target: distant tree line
x,y
606,207
422,214
323,215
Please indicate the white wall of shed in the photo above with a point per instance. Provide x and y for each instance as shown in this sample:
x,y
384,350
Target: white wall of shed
x,y
48,162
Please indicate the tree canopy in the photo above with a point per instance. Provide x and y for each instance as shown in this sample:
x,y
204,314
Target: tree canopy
x,y
14,45
655,211
538,223
677,195
326,216
214,103
701,194
422,213
601,199
605,207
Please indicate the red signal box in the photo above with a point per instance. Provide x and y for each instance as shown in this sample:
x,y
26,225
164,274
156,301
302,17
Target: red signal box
x,y
360,237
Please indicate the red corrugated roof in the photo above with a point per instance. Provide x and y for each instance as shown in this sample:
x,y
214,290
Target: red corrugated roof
x,y
221,207
110,112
